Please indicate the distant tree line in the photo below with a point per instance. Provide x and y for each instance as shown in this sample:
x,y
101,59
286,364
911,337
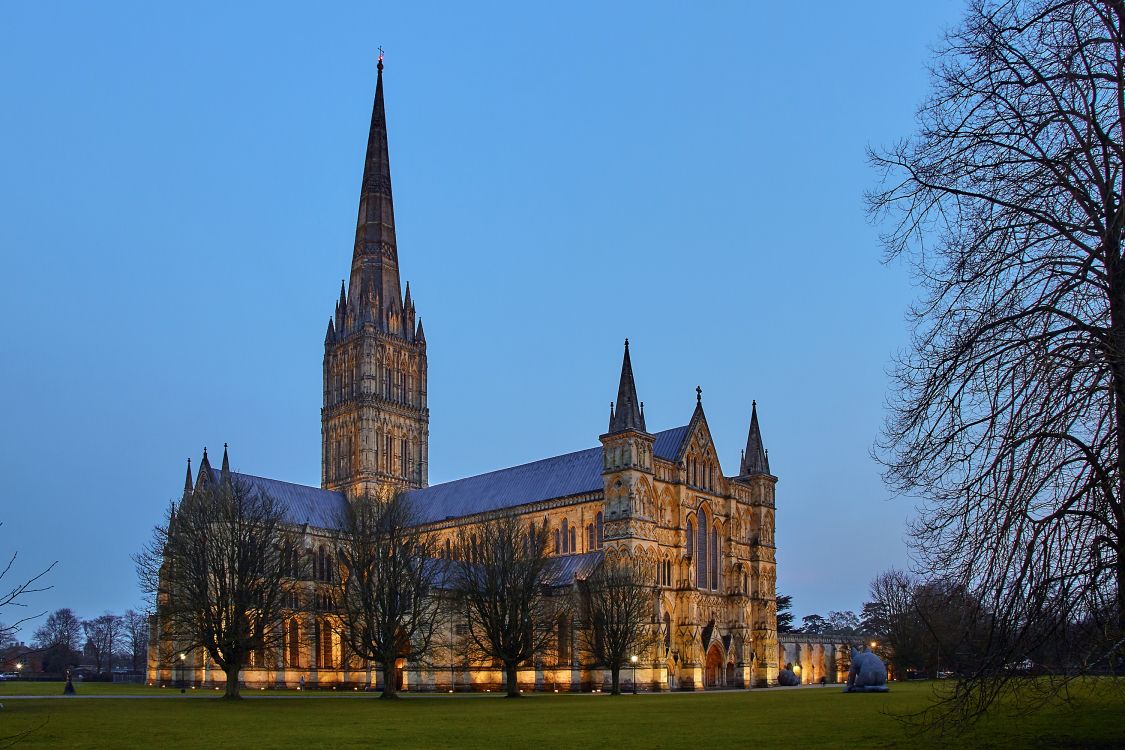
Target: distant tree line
x,y
64,642
836,623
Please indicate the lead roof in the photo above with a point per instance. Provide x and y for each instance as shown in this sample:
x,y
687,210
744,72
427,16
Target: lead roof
x,y
562,476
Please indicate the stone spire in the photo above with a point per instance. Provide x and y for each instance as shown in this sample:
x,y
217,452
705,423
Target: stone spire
x,y
628,414
375,421
224,472
187,482
374,285
754,458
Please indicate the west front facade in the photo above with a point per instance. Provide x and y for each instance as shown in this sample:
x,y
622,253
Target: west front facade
x,y
703,538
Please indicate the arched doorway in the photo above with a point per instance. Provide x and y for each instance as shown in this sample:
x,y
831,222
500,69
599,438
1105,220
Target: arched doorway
x,y
713,672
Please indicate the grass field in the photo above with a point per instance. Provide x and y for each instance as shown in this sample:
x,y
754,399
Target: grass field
x,y
819,717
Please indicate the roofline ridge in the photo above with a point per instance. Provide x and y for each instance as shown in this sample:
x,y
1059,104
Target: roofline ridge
x,y
532,463
285,481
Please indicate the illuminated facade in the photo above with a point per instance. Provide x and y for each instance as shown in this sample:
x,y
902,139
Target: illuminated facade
x,y
705,539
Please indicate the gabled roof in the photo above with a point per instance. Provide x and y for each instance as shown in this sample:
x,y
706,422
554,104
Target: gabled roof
x,y
302,504
669,442
566,569
561,476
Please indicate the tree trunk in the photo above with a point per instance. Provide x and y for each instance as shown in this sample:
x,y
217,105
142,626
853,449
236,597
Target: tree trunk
x,y
232,692
1115,267
390,680
511,674
615,676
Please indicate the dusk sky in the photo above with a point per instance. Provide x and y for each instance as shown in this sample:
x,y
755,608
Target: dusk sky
x,y
178,195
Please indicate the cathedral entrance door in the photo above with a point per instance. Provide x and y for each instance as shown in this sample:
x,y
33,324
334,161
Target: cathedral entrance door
x,y
713,673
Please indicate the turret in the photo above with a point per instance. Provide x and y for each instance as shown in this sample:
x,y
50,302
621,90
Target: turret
x,y
224,472
755,459
188,488
627,450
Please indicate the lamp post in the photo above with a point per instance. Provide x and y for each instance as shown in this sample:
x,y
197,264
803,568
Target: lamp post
x,y
633,659
183,657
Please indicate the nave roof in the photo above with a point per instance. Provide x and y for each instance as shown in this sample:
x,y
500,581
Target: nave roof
x,y
567,475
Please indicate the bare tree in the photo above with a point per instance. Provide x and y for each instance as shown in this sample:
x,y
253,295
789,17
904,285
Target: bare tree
x,y
57,639
215,571
618,625
12,593
1009,413
135,628
926,626
500,579
385,592
889,615
103,634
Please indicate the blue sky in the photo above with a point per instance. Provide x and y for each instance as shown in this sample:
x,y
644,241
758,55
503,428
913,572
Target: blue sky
x,y
178,190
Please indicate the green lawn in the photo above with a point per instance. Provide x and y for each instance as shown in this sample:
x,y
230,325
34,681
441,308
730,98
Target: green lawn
x,y
821,717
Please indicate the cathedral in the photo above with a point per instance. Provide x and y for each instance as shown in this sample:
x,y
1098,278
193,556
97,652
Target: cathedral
x,y
661,499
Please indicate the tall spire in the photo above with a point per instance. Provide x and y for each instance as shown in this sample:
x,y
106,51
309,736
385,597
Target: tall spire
x,y
754,459
374,278
628,415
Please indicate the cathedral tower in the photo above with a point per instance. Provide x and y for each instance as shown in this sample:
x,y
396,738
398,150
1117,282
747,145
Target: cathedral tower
x,y
375,422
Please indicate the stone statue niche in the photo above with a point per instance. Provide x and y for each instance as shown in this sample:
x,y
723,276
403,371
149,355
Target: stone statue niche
x,y
868,674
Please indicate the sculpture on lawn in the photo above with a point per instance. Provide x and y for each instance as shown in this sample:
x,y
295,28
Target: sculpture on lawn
x,y
868,673
787,677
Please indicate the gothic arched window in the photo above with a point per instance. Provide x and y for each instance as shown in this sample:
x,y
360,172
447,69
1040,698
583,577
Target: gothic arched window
x,y
565,536
690,539
701,551
294,643
714,558
324,645
564,639
601,533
